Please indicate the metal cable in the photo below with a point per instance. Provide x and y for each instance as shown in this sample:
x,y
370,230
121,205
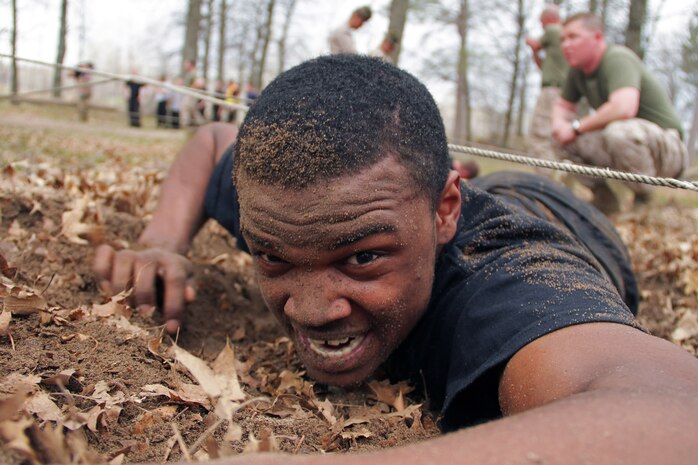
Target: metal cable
x,y
575,168
135,78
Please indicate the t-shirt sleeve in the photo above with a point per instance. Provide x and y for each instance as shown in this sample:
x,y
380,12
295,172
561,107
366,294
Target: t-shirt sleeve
x,y
221,199
621,72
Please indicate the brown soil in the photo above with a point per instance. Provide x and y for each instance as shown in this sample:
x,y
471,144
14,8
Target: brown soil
x,y
76,376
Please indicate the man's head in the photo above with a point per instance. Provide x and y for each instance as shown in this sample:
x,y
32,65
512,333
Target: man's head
x,y
359,17
337,115
550,14
388,44
345,198
583,41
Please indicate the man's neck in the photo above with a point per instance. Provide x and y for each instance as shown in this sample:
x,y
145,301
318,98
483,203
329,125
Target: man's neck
x,y
594,64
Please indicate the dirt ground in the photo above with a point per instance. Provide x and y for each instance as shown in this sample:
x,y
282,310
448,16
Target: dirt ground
x,y
84,379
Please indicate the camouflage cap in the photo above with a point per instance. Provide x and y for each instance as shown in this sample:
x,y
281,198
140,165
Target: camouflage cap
x,y
364,12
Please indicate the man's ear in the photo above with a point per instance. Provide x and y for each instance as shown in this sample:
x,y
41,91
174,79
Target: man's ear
x,y
448,209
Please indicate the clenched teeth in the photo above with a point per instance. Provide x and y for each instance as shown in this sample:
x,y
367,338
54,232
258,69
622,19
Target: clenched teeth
x,y
334,347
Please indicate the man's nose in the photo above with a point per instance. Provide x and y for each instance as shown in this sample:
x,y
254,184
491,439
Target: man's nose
x,y
317,300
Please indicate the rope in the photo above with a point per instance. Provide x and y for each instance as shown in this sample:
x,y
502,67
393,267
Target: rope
x,y
492,154
577,169
135,78
51,89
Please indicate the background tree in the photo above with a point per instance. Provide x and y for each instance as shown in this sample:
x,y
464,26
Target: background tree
x,y
190,51
516,61
689,65
637,14
14,86
222,21
60,53
396,25
206,35
463,122
289,7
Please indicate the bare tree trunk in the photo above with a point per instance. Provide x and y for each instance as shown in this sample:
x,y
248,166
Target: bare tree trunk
x,y
523,88
604,12
259,80
290,7
396,26
191,34
60,54
594,6
221,40
520,21
693,133
636,20
462,130
207,38
13,38
254,59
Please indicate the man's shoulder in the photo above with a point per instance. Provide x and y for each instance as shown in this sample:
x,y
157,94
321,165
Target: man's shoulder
x,y
616,52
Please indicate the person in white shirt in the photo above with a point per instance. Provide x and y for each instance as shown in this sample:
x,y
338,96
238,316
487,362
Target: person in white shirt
x,y
341,39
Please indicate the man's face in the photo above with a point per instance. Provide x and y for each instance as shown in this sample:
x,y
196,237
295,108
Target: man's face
x,y
356,21
580,45
346,265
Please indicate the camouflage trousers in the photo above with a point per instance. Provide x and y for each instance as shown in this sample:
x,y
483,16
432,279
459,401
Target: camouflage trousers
x,y
634,145
540,138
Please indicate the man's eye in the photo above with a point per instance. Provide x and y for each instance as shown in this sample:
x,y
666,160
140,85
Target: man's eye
x,y
362,258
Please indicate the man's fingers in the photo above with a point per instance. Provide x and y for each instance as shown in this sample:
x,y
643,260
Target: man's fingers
x,y
102,266
145,271
175,278
122,271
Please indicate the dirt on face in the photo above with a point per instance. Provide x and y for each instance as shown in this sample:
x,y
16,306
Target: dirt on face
x,y
85,379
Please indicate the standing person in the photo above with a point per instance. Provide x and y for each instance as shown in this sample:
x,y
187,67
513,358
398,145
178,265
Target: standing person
x,y
341,39
216,109
503,299
161,94
134,101
83,77
232,91
189,112
634,127
548,56
174,101
385,49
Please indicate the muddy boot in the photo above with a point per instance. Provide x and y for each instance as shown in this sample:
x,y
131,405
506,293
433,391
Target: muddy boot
x,y
605,200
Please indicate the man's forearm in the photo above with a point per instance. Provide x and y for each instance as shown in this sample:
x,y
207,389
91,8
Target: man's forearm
x,y
594,427
180,213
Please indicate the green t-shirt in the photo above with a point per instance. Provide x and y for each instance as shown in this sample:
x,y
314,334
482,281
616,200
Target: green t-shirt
x,y
555,67
619,68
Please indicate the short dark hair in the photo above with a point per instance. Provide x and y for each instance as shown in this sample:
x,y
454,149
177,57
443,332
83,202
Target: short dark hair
x,y
364,12
337,115
589,20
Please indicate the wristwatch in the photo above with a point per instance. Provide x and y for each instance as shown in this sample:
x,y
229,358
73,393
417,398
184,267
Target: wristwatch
x,y
576,125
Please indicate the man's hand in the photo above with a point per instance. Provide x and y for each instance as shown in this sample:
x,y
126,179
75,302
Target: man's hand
x,y
563,133
149,272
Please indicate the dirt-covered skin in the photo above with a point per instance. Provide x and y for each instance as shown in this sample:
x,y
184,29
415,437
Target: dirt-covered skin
x,y
90,368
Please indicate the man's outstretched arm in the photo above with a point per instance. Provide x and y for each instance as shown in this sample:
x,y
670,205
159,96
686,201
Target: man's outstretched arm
x,y
599,393
177,218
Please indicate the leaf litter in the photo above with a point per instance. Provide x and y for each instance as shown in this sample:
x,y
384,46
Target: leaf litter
x,y
85,379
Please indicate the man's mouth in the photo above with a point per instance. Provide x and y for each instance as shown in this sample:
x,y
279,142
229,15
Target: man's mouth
x,y
335,347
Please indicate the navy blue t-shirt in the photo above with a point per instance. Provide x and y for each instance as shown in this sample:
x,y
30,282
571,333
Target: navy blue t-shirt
x,y
520,266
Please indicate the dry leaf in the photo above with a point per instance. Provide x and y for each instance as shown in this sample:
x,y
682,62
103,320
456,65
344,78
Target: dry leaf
x,y
13,434
326,409
5,318
686,328
353,435
11,406
73,227
41,405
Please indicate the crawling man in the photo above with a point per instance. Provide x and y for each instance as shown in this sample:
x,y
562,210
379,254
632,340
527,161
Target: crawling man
x,y
507,300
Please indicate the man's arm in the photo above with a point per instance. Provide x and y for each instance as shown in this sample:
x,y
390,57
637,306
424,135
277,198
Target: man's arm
x,y
599,393
535,46
177,218
564,112
622,104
